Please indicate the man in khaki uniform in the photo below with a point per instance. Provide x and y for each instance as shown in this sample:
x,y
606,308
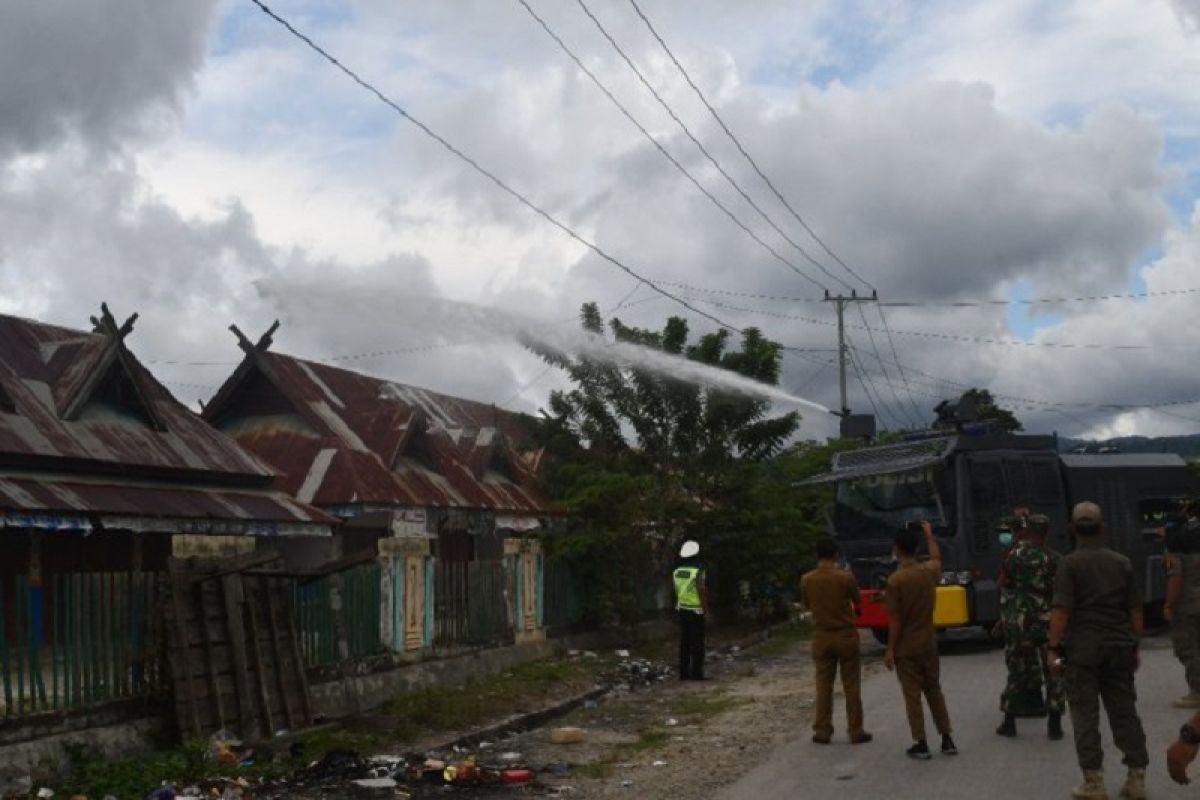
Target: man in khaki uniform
x,y
912,640
1097,614
829,594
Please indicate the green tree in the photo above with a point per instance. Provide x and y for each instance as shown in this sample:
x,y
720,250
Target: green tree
x,y
641,460
986,408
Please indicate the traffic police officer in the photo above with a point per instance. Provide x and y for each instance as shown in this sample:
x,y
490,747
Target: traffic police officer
x,y
1026,591
691,600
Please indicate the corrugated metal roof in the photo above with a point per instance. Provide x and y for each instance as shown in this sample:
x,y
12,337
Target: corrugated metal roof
x,y
150,501
42,367
361,440
64,453
886,460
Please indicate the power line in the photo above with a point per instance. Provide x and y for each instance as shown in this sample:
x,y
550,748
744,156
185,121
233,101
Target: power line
x,y
720,169
661,149
932,335
875,408
491,176
1037,300
700,146
937,303
737,143
1032,403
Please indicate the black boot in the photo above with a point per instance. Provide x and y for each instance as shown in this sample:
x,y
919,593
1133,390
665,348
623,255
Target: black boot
x,y
1054,726
1008,727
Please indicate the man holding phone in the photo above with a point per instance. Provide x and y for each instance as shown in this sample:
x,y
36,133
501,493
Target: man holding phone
x,y
912,639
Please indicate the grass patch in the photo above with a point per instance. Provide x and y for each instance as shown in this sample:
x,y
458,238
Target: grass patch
x,y
784,640
707,705
477,701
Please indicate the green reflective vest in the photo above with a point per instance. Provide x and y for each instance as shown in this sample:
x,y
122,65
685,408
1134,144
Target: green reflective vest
x,y
687,589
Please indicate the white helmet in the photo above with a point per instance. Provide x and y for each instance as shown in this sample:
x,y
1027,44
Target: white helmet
x,y
689,549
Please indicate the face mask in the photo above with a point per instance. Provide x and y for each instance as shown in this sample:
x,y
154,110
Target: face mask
x,y
1006,539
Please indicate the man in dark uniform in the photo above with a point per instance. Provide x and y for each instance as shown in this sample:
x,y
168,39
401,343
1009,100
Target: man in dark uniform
x,y
1026,591
912,639
830,594
691,601
1097,614
1182,604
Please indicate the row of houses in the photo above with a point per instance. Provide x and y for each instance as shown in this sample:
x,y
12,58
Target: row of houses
x,y
101,468
105,477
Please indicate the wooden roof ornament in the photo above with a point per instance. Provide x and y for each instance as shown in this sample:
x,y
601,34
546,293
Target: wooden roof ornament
x,y
114,355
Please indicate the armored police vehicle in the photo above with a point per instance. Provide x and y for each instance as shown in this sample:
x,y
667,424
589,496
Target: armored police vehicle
x,y
967,485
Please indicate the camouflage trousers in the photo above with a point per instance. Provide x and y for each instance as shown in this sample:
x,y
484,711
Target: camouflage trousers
x,y
1028,666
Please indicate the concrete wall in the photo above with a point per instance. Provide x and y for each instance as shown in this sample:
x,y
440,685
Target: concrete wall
x,y
113,729
358,693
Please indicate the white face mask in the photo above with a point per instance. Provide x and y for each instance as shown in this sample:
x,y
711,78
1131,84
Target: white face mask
x,y
1006,539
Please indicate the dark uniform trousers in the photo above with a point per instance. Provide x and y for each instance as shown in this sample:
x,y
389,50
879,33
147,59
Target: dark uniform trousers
x,y
1185,636
833,651
920,675
1028,664
1108,677
691,645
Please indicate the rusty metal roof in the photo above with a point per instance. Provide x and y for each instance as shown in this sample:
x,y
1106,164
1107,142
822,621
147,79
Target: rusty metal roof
x,y
350,438
156,506
43,367
66,447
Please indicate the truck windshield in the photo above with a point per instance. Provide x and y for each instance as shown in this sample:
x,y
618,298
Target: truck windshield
x,y
877,506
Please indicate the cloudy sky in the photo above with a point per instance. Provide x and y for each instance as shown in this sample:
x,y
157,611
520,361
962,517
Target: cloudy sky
x,y
193,162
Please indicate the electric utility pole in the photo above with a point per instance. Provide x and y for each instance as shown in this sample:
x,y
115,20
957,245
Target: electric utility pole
x,y
840,302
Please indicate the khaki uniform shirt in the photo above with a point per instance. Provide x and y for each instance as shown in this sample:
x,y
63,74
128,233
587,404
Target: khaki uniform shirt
x,y
1097,587
828,593
1187,567
910,596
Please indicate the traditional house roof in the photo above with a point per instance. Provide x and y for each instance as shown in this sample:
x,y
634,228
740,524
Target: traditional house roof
x,y
341,438
88,434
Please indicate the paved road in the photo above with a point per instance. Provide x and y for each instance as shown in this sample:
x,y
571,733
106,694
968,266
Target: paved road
x,y
988,766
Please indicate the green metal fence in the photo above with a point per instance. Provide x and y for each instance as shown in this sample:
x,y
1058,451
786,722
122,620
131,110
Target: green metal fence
x,y
320,625
469,604
563,605
78,640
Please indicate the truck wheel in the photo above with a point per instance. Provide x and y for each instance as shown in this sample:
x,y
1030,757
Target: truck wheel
x,y
881,635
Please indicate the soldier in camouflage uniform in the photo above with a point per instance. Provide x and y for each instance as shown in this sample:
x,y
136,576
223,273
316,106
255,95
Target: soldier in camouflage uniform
x,y
1026,589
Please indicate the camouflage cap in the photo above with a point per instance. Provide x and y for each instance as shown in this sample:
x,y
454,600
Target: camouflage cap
x,y
1039,522
1086,514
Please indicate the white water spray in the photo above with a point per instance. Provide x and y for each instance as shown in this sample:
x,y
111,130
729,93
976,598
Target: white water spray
x,y
471,323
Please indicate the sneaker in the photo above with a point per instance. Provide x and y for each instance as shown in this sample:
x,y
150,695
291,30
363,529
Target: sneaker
x,y
1189,700
920,751
1008,727
948,746
861,738
819,738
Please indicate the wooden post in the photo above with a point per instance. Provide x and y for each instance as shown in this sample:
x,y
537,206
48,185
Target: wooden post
x,y
259,667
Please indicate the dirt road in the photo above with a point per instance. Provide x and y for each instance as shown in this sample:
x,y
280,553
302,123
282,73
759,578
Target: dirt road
x,y
683,740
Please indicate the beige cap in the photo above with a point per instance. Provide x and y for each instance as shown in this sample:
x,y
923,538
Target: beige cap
x,y
1086,513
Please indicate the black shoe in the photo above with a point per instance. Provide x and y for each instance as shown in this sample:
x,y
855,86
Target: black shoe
x,y
920,751
1008,727
819,738
948,746
1054,726
861,738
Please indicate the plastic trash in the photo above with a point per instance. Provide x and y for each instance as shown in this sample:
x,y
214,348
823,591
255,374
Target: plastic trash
x,y
567,735
516,776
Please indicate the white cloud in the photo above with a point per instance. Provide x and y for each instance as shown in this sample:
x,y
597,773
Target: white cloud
x,y
967,148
